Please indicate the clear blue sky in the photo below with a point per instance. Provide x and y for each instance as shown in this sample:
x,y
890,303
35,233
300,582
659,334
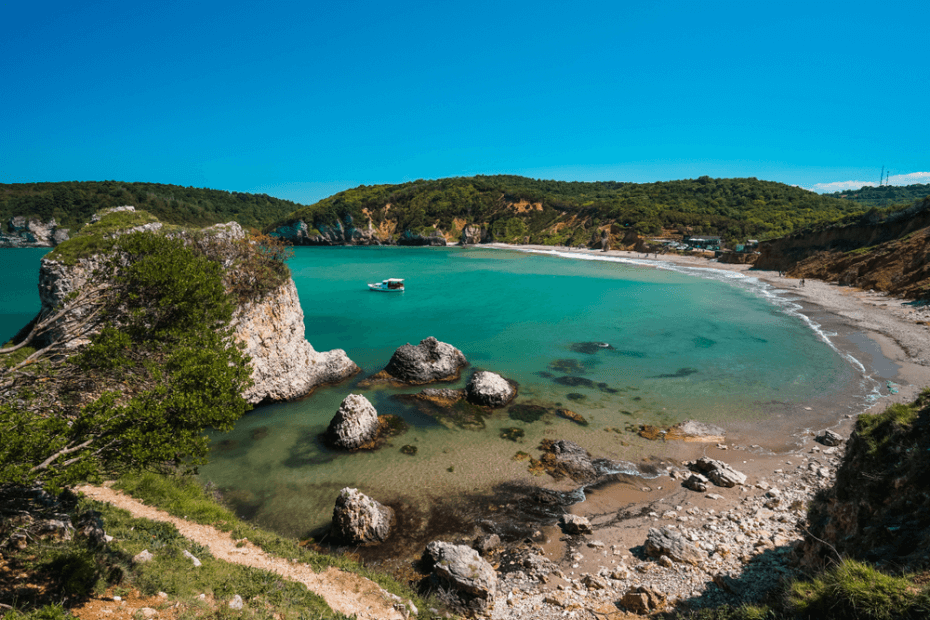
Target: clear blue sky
x,y
303,99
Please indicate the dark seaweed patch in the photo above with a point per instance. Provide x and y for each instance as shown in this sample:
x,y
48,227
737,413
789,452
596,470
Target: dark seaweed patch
x,y
681,372
575,396
569,366
259,433
574,382
512,434
590,348
408,449
527,413
627,353
703,343
606,388
544,374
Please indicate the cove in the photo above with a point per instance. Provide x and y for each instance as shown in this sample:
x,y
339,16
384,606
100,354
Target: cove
x,y
618,343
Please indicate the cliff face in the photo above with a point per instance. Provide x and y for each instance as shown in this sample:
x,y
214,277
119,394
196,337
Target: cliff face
x,y
879,507
284,364
891,256
32,233
345,233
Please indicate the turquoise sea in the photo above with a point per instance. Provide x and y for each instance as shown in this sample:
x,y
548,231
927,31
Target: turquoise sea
x,y
620,342
711,345
19,301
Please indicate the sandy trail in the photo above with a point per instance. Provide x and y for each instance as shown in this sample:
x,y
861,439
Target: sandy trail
x,y
346,593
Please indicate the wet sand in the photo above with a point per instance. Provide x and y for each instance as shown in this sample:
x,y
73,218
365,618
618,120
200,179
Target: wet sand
x,y
889,336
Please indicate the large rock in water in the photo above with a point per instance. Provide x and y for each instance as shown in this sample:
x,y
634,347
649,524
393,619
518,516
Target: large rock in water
x,y
489,389
355,424
360,520
467,572
427,362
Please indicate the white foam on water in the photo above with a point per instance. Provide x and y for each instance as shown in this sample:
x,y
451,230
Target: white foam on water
x,y
871,387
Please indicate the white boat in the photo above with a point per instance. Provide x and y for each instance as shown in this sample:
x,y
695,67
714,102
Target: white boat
x,y
391,285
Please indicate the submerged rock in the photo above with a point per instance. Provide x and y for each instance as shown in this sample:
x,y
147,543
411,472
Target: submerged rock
x,y
359,519
566,458
355,424
489,389
427,362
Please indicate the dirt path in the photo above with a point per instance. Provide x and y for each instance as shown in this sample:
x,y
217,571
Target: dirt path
x,y
347,593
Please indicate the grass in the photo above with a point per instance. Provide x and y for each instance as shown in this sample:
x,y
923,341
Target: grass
x,y
184,497
876,430
854,590
95,238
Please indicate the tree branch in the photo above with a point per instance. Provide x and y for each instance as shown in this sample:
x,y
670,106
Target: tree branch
x,y
44,464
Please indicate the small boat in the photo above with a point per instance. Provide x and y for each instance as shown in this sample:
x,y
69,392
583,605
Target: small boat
x,y
391,285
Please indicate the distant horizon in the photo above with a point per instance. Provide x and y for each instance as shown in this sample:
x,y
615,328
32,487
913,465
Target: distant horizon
x,y
899,180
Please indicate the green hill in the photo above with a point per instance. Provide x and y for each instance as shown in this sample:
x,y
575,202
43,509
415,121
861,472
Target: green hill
x,y
72,203
519,209
886,195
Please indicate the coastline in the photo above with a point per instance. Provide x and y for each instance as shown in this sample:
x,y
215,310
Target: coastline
x,y
747,532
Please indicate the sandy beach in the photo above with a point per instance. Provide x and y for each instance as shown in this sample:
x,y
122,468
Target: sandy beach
x,y
746,533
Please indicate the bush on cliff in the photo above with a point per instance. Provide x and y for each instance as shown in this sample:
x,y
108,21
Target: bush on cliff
x,y
163,367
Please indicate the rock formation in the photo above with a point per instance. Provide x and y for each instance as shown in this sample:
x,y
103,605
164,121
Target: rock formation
x,y
489,389
671,544
25,232
566,458
354,425
719,472
427,362
460,567
284,364
360,520
344,232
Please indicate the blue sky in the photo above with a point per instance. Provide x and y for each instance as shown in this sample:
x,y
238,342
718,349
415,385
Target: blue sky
x,y
303,99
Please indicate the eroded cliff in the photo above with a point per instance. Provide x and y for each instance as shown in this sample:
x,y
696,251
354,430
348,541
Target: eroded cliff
x,y
891,255
284,365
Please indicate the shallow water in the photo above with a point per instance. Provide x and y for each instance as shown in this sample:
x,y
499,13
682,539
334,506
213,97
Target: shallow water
x,y
714,346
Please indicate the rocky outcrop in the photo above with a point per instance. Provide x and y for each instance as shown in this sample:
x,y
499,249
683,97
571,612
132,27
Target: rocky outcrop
x,y
830,438
473,235
575,524
427,362
489,389
360,520
565,458
671,544
23,232
284,364
354,425
467,573
435,238
719,472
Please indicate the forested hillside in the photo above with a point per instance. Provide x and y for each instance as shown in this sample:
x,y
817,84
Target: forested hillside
x,y
886,195
72,203
519,209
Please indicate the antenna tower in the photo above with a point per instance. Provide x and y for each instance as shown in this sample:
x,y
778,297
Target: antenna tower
x,y
881,177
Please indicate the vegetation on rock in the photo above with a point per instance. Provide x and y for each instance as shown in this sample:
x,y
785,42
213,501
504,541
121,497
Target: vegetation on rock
x,y
161,368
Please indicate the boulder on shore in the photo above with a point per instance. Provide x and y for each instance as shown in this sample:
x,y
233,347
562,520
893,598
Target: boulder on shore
x,y
830,438
354,425
489,389
574,524
672,544
719,472
426,362
460,567
360,520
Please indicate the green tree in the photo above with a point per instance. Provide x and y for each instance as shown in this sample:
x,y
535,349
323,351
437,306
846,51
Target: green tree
x,y
164,366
